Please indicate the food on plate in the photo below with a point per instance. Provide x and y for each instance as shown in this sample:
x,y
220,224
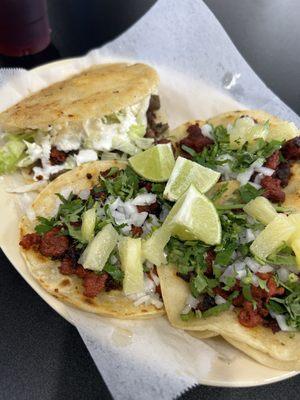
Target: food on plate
x,y
82,240
204,238
105,112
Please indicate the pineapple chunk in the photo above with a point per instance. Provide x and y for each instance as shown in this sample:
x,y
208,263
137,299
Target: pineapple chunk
x,y
282,131
261,209
130,251
98,250
295,220
296,248
276,233
239,132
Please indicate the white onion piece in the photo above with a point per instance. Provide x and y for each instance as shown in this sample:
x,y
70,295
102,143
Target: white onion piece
x,y
156,302
254,280
219,299
244,177
247,236
252,264
256,185
282,322
144,199
265,269
207,131
142,300
139,218
265,171
155,278
258,178
84,194
283,274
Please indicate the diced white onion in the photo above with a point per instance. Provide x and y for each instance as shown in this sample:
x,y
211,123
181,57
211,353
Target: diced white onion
x,y
256,185
258,179
282,322
84,194
219,299
252,264
142,300
247,236
265,171
155,278
86,155
207,131
283,274
139,218
265,269
144,199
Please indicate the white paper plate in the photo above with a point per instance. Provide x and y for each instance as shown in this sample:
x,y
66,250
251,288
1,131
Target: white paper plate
x,y
229,367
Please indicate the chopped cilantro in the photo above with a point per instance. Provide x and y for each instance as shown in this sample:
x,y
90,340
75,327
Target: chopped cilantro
x,y
216,310
249,192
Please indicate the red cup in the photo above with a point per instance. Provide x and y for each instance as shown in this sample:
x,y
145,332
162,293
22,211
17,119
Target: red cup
x,y
24,27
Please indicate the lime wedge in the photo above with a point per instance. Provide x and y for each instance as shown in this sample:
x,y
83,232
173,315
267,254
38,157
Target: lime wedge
x,y
274,235
185,173
154,164
194,217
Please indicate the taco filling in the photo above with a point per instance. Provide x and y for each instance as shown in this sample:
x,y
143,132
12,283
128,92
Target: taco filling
x,y
96,235
254,270
105,112
258,155
48,154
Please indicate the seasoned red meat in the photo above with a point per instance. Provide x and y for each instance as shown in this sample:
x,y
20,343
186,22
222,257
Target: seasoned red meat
x,y
150,133
283,172
274,290
94,283
273,160
53,244
30,240
146,185
66,266
154,103
258,293
273,190
195,139
136,231
249,317
163,141
238,301
291,149
209,259
221,292
272,324
57,156
153,208
206,303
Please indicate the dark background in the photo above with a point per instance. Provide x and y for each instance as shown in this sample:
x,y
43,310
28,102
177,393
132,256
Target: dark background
x,y
42,355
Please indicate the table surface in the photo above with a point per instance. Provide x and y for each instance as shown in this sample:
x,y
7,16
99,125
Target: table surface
x,y
42,356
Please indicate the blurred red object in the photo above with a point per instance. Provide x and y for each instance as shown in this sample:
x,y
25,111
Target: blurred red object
x,y
24,27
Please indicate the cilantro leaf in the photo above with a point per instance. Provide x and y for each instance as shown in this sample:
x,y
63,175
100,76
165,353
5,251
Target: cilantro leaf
x,y
216,310
45,225
197,285
249,192
114,271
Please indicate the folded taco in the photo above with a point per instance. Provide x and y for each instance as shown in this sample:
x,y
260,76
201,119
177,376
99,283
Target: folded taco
x,y
82,240
239,275
107,108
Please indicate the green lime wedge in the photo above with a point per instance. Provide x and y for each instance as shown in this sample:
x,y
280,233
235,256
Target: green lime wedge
x,y
194,217
154,164
187,172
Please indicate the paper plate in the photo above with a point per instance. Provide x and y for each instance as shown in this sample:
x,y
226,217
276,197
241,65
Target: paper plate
x,y
228,366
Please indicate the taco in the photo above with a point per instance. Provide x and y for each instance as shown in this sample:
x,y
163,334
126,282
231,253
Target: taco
x,y
246,286
105,109
82,240
241,145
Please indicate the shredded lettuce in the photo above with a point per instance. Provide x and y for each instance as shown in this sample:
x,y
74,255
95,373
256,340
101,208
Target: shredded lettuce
x,y
11,153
